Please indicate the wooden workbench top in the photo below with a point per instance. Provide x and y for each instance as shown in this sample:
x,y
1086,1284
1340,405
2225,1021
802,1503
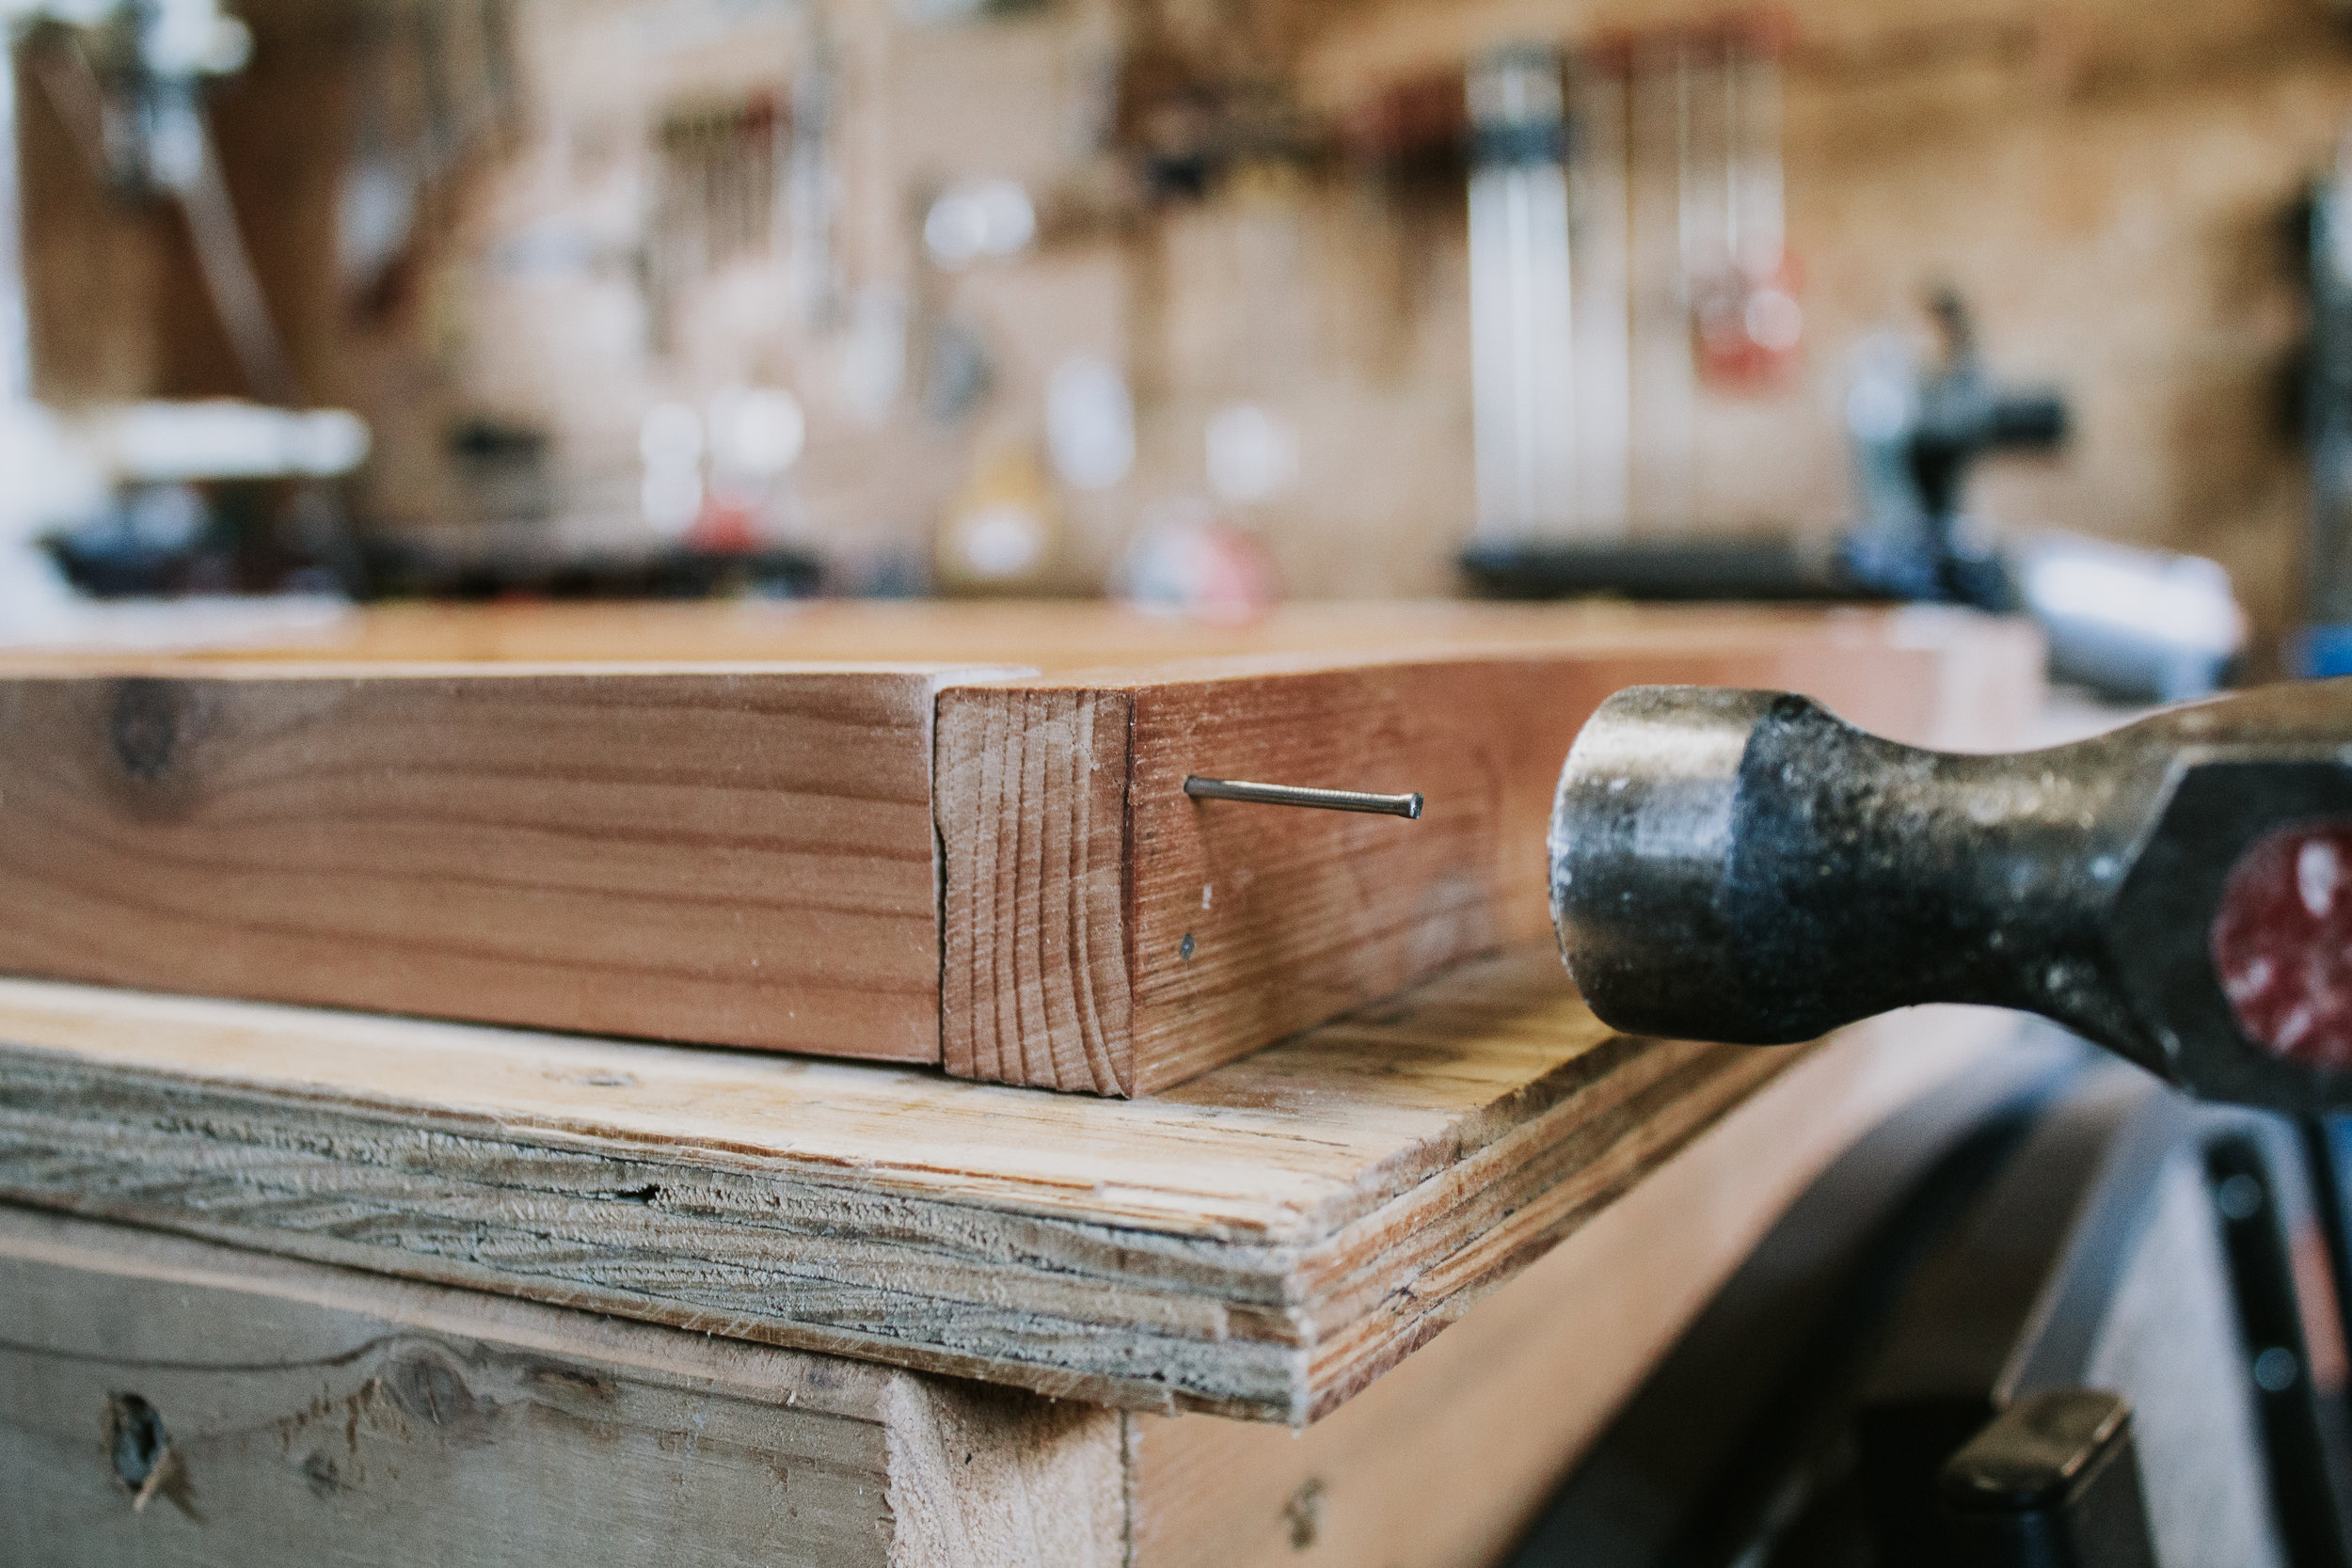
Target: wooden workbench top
x,y
1055,637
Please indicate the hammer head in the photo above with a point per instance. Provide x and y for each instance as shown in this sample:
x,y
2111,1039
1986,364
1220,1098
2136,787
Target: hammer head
x,y
1745,866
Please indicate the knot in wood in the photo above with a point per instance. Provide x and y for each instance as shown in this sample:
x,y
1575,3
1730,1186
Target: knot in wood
x,y
429,1389
145,728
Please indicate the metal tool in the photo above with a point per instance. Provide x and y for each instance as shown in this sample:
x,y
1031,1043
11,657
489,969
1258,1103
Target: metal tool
x,y
1917,431
1293,795
1745,867
2138,624
2327,643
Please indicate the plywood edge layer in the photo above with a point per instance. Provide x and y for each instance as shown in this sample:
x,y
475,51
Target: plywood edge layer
x,y
1066,1309
1258,1245
1445,1458
1253,1329
1029,794
1513,1203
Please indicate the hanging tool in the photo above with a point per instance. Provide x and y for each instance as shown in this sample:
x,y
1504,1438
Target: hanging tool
x,y
1916,433
130,81
2327,643
1745,867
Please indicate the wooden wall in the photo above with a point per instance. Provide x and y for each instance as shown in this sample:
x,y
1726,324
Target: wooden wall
x,y
2110,184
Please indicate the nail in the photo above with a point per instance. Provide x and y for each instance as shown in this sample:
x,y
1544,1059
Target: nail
x,y
1293,795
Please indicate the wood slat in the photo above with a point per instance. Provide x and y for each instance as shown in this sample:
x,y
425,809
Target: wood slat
x,y
311,1415
740,856
972,865
1259,1243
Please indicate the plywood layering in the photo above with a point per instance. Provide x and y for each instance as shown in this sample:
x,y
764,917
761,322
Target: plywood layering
x,y
1261,1243
970,864
308,1406
1444,1461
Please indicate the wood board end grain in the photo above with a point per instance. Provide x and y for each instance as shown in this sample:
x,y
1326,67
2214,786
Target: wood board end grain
x,y
1031,791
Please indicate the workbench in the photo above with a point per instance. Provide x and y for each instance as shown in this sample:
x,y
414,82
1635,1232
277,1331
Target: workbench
x,y
288,1283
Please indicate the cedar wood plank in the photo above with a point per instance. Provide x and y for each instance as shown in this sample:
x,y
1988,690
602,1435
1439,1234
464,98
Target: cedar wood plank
x,y
735,855
727,855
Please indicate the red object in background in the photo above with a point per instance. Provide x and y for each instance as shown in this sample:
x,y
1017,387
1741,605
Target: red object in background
x,y
1199,564
2282,944
725,527
1747,330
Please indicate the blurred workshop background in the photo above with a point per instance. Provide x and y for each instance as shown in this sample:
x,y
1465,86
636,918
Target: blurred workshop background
x,y
1192,301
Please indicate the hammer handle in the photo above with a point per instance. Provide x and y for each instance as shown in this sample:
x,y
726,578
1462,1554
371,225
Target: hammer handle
x,y
1745,867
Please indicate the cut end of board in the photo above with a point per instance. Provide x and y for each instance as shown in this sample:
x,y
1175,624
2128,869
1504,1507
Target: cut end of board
x,y
1030,794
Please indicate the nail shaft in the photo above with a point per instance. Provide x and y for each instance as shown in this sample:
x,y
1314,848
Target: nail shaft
x,y
1292,794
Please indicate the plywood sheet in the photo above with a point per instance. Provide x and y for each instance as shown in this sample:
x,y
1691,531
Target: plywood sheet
x,y
311,1407
1261,1243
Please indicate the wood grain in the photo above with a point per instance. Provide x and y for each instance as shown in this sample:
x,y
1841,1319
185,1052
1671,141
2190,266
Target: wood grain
x,y
316,1416
1053,635
1143,951
322,1413
937,861
1261,1243
741,856
1030,790
1443,1462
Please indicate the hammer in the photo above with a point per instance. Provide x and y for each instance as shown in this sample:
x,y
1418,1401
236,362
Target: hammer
x,y
1745,867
